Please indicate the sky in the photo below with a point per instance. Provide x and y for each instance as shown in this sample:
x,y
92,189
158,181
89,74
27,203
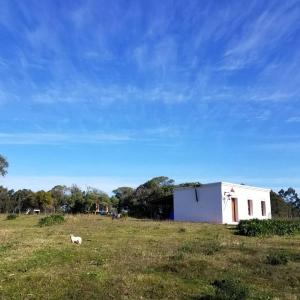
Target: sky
x,y
113,93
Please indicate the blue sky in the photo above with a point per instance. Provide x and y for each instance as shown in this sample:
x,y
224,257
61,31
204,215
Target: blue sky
x,y
112,93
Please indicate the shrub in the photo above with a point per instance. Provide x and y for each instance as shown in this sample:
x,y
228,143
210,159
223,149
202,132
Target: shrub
x,y
11,217
51,220
257,227
124,214
277,258
229,289
212,247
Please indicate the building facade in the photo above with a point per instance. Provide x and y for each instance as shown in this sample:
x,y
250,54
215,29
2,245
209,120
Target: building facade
x,y
221,202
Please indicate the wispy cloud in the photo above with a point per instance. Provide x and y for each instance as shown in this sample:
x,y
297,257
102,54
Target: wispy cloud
x,y
104,183
57,138
272,27
286,146
294,119
148,135
78,92
149,72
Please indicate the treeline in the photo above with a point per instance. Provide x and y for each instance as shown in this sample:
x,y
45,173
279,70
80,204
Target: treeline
x,y
285,204
59,199
152,199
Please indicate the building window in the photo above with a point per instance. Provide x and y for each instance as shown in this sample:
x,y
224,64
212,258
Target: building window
x,y
250,208
263,208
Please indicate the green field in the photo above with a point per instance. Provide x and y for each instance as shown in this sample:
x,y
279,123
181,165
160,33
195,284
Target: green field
x,y
138,259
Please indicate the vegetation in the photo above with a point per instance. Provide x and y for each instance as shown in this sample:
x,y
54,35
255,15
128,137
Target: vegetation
x,y
142,259
139,259
11,217
277,258
152,199
229,289
292,199
256,227
3,165
51,220
279,208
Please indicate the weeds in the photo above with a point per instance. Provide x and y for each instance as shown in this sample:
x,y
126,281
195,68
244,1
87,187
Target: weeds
x,y
11,217
229,289
51,220
277,258
212,247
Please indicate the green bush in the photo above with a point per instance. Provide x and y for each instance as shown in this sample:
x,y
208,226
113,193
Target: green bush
x,y
277,258
257,227
229,289
11,217
51,220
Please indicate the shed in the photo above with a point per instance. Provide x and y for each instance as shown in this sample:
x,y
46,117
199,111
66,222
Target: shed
x,y
221,202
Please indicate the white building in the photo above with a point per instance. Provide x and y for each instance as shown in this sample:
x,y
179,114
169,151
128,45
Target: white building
x,y
221,202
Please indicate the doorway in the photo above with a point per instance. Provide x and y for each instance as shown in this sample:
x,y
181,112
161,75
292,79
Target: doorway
x,y
234,209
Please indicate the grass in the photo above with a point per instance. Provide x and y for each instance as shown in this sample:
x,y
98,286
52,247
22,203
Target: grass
x,y
139,259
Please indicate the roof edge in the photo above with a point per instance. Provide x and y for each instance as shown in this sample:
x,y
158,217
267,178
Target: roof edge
x,y
227,184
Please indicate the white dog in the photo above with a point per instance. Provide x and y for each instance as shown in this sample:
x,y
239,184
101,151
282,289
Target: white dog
x,y
75,239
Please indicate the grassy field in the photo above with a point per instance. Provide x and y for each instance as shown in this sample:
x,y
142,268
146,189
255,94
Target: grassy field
x,y
138,259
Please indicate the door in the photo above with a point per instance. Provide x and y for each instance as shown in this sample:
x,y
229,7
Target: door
x,y
234,209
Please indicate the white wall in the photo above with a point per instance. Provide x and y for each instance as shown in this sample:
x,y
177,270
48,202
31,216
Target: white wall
x,y
207,209
243,194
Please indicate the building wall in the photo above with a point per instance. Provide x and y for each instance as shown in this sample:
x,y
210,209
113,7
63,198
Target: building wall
x,y
207,209
243,194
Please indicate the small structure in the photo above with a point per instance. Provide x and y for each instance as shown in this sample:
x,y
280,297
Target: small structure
x,y
32,211
221,202
100,209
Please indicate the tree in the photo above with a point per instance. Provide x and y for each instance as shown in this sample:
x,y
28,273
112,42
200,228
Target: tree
x,y
278,206
23,199
114,201
152,199
6,200
43,199
291,197
96,199
189,184
124,195
76,199
59,196
3,165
